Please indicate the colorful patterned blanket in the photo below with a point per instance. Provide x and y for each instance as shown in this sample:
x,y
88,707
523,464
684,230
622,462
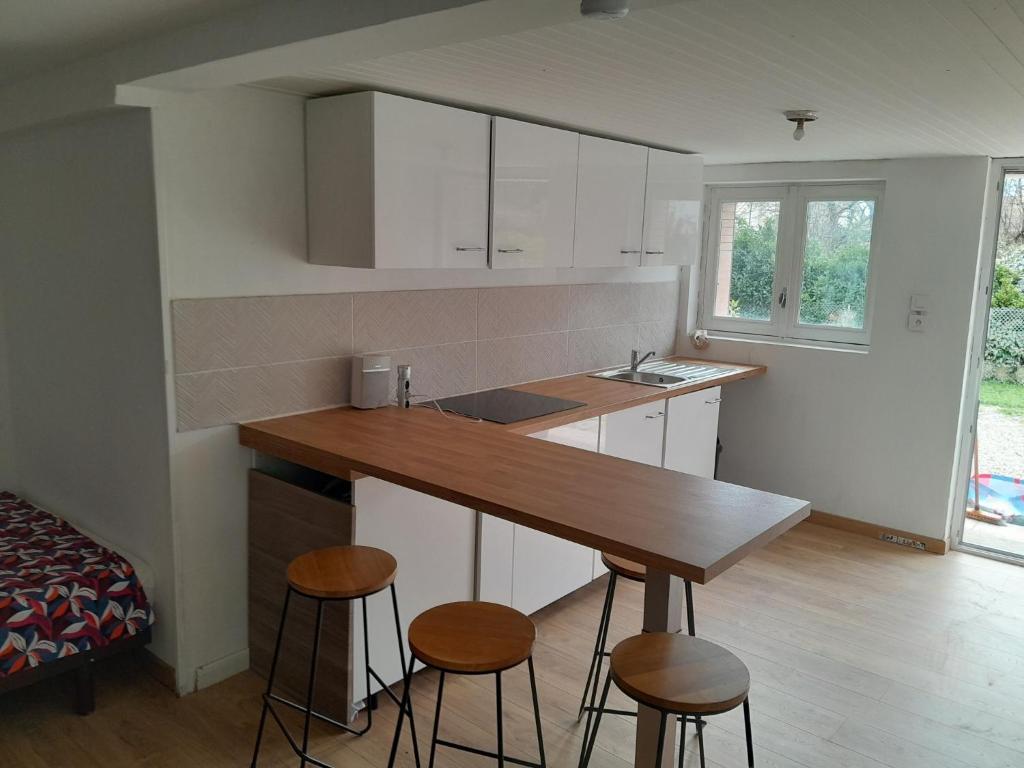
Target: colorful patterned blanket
x,y
61,593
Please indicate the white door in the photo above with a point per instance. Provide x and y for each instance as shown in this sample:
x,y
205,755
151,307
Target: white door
x,y
434,542
533,181
431,171
609,203
675,187
636,433
691,432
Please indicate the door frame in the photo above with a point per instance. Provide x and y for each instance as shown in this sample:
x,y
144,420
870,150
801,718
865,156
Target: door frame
x,y
963,462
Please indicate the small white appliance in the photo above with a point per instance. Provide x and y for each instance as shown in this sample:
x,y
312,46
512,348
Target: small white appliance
x,y
371,381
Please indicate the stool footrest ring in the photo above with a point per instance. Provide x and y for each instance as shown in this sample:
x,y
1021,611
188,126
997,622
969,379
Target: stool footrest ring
x,y
486,753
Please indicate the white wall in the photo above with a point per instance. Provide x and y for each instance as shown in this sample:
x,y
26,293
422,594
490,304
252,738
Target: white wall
x,y
869,436
79,288
230,172
8,477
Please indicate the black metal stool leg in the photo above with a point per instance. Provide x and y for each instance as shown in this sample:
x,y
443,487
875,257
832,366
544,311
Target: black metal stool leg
x,y
501,729
407,681
661,741
437,720
700,740
750,740
682,740
598,647
406,701
612,582
588,746
270,678
312,682
536,713
690,625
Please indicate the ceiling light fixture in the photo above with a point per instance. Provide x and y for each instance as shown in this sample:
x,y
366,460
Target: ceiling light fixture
x,y
800,116
604,10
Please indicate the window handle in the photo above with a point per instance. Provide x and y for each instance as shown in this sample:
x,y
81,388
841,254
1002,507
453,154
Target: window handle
x,y
783,297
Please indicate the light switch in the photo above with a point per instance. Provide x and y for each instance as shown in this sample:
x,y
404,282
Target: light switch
x,y
918,302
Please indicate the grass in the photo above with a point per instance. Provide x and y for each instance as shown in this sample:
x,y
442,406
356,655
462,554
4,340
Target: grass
x,y
1006,396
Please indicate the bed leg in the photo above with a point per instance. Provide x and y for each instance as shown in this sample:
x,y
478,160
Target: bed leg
x,y
85,689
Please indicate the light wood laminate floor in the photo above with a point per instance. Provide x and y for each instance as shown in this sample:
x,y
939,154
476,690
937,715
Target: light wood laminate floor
x,y
862,654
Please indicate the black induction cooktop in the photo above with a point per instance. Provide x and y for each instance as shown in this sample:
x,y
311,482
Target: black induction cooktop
x,y
505,406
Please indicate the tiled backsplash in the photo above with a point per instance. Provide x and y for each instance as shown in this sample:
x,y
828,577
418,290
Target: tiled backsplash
x,y
252,358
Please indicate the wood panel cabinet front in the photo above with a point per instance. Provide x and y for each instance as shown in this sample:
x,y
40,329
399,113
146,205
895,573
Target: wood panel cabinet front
x,y
533,178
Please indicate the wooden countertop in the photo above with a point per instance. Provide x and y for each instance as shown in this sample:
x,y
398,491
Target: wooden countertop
x,y
689,526
605,395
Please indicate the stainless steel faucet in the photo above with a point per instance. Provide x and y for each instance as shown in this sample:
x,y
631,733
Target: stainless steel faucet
x,y
635,360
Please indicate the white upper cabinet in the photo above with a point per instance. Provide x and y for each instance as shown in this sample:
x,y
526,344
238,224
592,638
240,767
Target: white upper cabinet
x,y
675,186
396,183
533,179
609,203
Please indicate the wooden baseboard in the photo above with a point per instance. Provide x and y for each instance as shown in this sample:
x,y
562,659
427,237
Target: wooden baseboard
x,y
160,670
884,533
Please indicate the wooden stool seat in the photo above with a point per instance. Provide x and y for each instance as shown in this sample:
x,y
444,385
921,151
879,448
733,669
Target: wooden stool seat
x,y
342,573
625,568
679,674
472,637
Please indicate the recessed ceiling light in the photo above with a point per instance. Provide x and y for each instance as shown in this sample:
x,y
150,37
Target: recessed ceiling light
x,y
604,9
800,116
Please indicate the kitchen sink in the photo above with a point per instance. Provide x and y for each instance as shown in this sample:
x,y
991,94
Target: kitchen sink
x,y
666,375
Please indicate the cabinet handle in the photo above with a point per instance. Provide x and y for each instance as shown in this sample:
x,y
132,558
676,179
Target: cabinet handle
x,y
657,415
626,251
463,248
510,250
712,402
655,253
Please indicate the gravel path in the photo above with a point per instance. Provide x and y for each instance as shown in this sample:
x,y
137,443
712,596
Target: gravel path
x,y
1000,442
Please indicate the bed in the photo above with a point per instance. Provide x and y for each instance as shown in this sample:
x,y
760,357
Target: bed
x,y
66,600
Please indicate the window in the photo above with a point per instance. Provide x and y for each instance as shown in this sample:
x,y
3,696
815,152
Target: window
x,y
791,261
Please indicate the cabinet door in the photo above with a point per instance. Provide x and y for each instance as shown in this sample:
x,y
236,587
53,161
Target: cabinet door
x,y
434,542
636,433
431,166
609,203
545,568
675,186
691,432
534,195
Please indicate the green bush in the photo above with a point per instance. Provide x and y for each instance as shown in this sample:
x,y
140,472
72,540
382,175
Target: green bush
x,y
1005,347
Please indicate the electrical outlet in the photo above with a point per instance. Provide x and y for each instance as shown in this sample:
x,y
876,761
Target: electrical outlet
x,y
903,541
917,321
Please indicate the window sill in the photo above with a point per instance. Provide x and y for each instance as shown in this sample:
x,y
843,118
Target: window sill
x,y
776,341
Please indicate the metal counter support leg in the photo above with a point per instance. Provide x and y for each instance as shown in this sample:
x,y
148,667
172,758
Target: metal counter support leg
x,y
663,608
690,624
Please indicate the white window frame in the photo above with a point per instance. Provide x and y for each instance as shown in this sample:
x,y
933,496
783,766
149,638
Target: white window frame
x,y
784,325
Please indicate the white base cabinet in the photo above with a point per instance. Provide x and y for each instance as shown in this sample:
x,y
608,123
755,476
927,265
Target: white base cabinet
x,y
529,569
434,542
691,432
636,434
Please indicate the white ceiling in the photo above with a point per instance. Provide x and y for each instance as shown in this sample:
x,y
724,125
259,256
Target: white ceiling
x,y
890,78
37,35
